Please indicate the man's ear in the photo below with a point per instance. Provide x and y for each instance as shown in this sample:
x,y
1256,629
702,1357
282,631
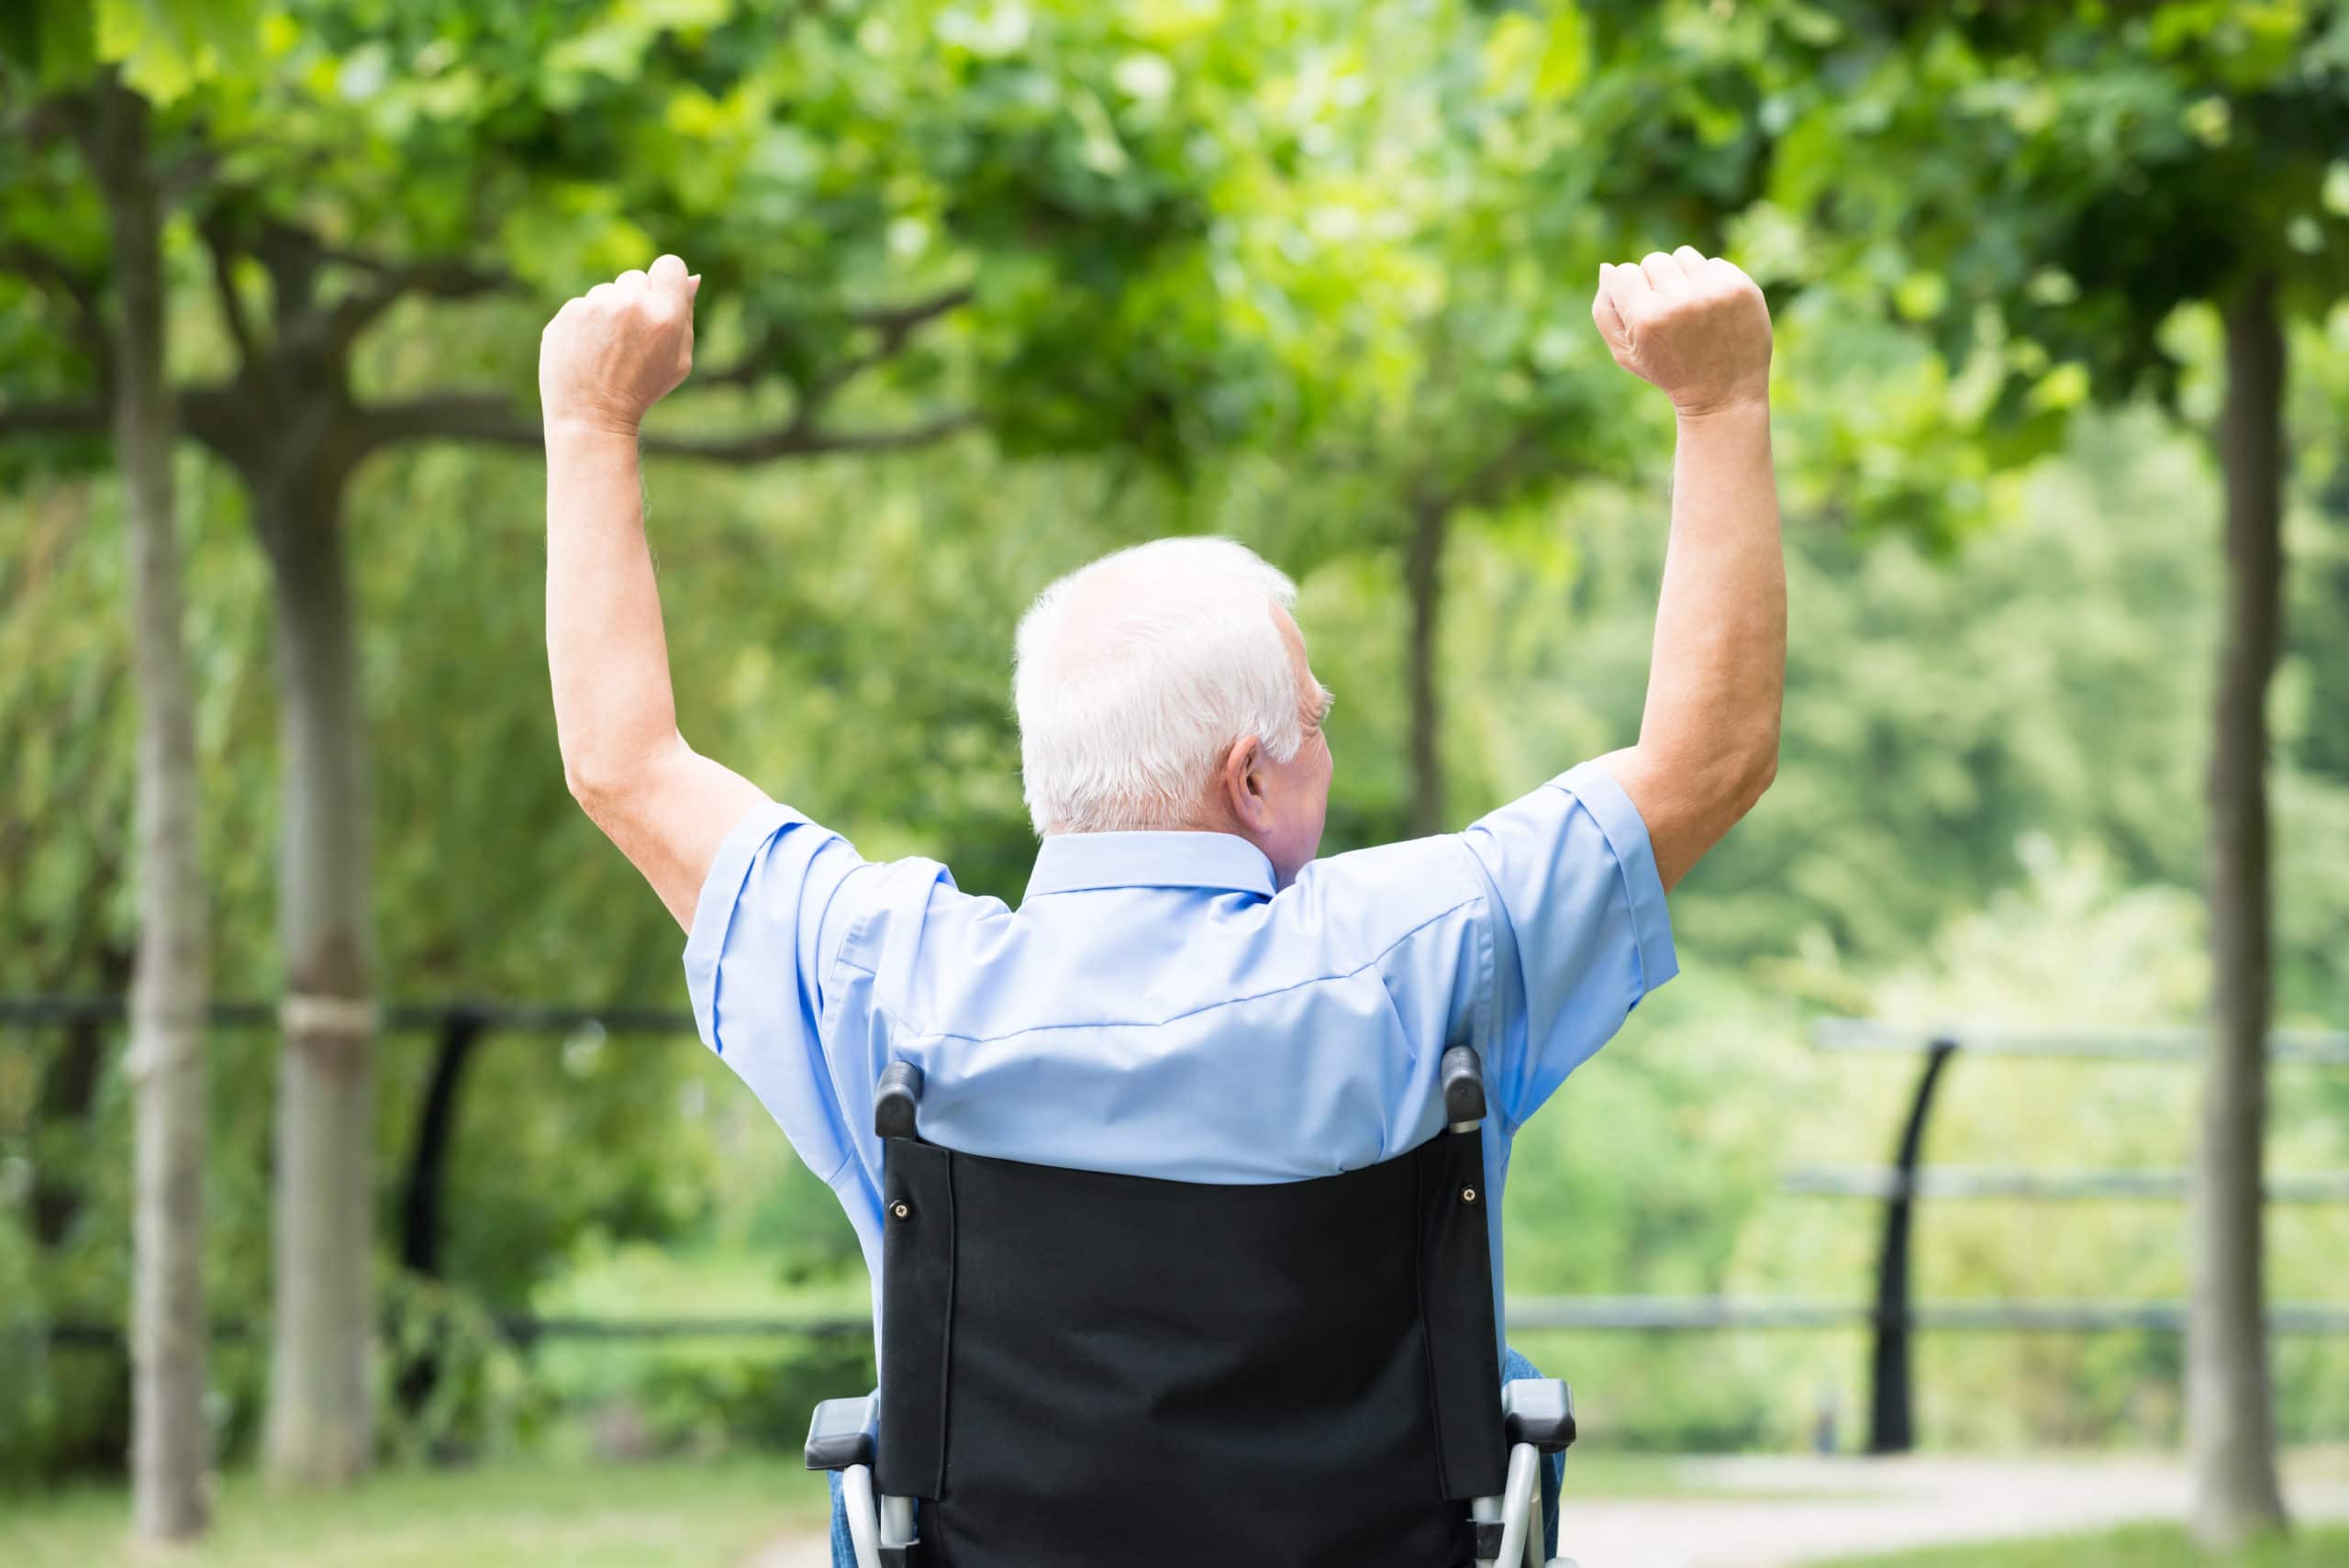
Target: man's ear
x,y
1236,782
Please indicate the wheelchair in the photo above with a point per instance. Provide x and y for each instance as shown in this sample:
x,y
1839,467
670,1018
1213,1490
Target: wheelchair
x,y
1087,1370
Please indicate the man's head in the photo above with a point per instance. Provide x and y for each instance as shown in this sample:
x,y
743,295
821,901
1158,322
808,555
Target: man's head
x,y
1165,686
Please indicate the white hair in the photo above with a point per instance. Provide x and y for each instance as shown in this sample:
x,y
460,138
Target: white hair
x,y
1134,675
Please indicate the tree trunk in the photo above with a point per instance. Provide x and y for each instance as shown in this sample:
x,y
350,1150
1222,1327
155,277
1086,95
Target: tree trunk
x,y
2230,1405
170,1448
1424,580
319,1429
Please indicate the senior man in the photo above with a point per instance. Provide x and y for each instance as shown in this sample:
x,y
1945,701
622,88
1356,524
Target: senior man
x,y
1177,935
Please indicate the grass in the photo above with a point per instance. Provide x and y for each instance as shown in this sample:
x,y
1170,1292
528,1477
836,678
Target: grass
x,y
1598,1473
2139,1546
668,1514
715,1513
706,1513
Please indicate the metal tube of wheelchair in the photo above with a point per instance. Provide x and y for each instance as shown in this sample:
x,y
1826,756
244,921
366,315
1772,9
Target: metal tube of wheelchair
x,y
1485,1511
864,1521
1516,1505
898,1521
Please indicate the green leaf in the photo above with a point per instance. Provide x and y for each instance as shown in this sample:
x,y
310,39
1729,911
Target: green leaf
x,y
53,40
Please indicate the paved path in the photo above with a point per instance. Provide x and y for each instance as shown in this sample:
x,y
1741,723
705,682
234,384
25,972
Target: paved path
x,y
1781,1513
1778,1513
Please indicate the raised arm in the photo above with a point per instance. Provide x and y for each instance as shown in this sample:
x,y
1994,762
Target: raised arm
x,y
1698,329
607,358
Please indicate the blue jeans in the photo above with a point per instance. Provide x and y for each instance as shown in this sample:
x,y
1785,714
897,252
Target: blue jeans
x,y
1514,1367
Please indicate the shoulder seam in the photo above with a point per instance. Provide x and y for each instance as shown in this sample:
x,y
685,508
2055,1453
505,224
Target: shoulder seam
x,y
1322,979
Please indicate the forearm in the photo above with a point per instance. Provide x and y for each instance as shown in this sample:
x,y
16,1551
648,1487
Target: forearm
x,y
667,807
615,713
1709,738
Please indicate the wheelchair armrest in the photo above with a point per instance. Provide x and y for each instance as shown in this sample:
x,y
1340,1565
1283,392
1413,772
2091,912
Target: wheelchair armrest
x,y
1539,1410
843,1432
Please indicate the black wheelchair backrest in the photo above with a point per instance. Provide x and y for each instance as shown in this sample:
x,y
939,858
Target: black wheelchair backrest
x,y
1081,1369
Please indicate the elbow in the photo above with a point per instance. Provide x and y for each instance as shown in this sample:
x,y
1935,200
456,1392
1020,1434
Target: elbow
x,y
1754,772
598,781
1690,801
1736,773
1720,775
1761,773
590,782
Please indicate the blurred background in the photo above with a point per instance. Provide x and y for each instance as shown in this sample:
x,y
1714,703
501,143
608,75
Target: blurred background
x,y
365,1194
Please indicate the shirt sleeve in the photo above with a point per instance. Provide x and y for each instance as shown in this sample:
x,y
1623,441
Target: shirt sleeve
x,y
1580,932
773,915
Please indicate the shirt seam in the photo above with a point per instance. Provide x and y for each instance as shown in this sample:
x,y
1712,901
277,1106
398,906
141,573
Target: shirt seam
x,y
863,924
1622,881
733,906
1491,1012
854,935
1488,1008
1259,890
1370,962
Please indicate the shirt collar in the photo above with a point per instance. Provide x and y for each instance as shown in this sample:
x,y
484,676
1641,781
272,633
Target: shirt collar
x,y
1076,862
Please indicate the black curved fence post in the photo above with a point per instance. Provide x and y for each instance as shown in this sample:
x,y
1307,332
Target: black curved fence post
x,y
1892,1424
424,1200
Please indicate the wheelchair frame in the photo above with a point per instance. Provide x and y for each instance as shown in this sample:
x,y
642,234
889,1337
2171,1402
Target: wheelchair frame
x,y
1537,1414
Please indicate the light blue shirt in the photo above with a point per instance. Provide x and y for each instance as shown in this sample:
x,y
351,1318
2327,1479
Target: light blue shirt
x,y
1153,1008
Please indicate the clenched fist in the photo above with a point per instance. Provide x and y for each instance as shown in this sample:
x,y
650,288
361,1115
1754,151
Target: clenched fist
x,y
618,348
1695,327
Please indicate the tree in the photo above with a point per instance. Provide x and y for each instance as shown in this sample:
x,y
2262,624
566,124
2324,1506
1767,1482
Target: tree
x,y
170,1446
112,124
1434,252
2046,190
865,189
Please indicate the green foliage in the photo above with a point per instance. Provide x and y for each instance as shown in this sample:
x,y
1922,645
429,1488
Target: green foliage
x,y
1284,272
756,1402
454,1388
996,214
2044,186
53,42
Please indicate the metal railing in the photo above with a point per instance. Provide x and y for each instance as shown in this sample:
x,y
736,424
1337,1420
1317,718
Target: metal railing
x,y
392,1018
1896,1317
460,1027
2324,1046
1579,1314
1997,1182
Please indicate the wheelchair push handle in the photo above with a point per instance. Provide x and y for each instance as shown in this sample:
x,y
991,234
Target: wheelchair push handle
x,y
896,1099
1463,1077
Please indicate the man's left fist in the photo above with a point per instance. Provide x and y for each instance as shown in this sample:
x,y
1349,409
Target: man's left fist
x,y
1694,325
618,348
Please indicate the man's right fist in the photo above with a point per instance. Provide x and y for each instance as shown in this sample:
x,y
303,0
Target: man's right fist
x,y
1697,327
618,348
